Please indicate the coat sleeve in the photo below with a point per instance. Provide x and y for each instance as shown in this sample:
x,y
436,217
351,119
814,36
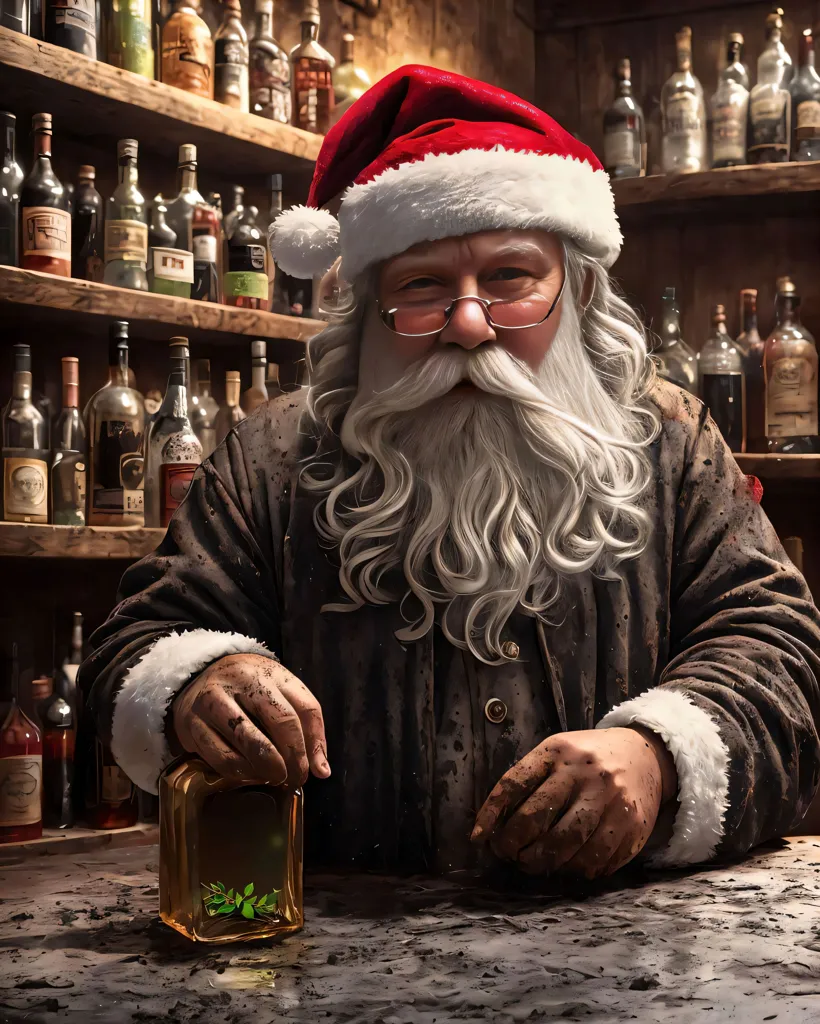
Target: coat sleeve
x,y
212,588
738,703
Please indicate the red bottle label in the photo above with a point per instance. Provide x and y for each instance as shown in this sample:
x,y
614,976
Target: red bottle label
x,y
175,481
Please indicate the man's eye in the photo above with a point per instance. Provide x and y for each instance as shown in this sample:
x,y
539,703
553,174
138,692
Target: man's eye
x,y
420,282
508,274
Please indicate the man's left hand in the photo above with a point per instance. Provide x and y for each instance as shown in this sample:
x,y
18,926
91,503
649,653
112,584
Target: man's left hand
x,y
584,802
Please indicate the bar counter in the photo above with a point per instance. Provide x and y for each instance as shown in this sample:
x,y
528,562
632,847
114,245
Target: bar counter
x,y
80,941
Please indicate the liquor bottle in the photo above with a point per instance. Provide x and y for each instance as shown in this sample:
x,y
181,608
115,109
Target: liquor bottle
x,y
21,769
246,282
278,300
188,51
257,393
130,37
790,370
203,411
25,449
11,176
722,384
311,76
231,57
730,108
624,130
46,222
207,244
72,24
805,93
350,80
246,230
770,105
68,467
58,727
109,796
230,855
115,421
269,69
160,234
181,210
676,362
751,345
683,115
87,231
272,384
230,412
238,208
181,452
14,14
126,225
71,666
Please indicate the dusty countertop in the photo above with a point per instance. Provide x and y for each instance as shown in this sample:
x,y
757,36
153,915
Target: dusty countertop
x,y
80,941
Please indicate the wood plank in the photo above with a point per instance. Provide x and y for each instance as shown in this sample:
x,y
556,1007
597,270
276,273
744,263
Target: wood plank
x,y
34,295
78,840
562,14
780,467
37,76
44,541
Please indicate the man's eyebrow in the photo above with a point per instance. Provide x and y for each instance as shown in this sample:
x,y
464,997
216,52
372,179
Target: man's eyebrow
x,y
508,250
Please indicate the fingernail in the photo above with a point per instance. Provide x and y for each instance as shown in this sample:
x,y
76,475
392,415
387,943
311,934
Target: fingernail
x,y
477,833
325,768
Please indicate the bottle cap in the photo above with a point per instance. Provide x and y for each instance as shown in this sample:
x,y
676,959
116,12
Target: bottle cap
x,y
785,286
22,358
232,377
88,172
127,149
178,342
749,291
310,13
187,153
348,46
41,688
259,350
774,20
41,123
625,68
71,369
238,192
736,37
719,314
8,119
246,257
684,37
276,183
118,330
264,6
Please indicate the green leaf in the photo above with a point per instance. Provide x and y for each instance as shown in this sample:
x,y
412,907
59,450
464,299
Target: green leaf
x,y
249,889
238,900
273,898
251,900
220,886
247,911
226,908
262,901
217,900
230,894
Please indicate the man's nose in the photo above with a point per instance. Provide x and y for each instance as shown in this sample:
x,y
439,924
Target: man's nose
x,y
468,326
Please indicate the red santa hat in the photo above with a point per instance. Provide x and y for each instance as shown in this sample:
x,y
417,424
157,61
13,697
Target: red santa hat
x,y
426,154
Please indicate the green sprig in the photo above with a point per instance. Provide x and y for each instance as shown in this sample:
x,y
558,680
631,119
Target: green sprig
x,y
219,901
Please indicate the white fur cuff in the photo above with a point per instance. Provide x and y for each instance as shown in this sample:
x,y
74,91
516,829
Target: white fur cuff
x,y
702,762
138,731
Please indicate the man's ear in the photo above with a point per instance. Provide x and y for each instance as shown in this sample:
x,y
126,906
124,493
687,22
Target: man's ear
x,y
587,290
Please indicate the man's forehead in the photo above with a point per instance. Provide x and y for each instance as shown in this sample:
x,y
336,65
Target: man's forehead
x,y
482,243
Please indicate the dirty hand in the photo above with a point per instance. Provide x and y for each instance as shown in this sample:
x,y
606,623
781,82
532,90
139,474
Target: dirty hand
x,y
584,802
248,717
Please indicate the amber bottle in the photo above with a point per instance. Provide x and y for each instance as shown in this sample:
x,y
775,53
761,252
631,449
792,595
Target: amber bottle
x,y
21,768
311,76
110,797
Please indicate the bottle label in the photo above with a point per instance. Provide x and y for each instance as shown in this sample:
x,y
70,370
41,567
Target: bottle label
x,y
246,284
791,398
126,240
808,120
76,14
46,232
117,466
187,54
21,781
231,73
683,118
621,148
771,122
270,86
173,266
204,247
116,786
175,482
25,489
68,488
729,129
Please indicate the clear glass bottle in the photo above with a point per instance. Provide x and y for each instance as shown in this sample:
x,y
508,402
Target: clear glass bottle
x,y
350,80
722,383
25,449
257,393
130,36
311,76
770,105
14,14
236,211
683,114
206,232
11,178
805,93
21,768
204,409
72,24
188,51
126,225
675,360
231,57
45,219
181,209
181,452
87,231
71,666
69,461
230,412
751,347
115,426
230,856
624,129
730,108
269,69
790,369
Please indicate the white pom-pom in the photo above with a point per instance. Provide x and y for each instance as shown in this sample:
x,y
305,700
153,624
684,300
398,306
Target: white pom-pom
x,y
304,242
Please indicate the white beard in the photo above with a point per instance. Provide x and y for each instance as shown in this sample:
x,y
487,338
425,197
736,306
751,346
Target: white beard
x,y
485,500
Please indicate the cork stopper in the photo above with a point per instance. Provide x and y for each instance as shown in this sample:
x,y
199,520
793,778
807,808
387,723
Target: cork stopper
x,y
41,123
41,688
736,37
87,173
785,286
774,21
187,153
233,383
348,47
719,314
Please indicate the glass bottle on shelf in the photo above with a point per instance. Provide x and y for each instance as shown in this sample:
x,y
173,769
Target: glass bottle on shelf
x,y
730,108
206,240
181,209
272,384
71,666
11,178
109,796
58,727
278,300
770,105
231,57
204,409
269,69
722,384
115,421
188,51
750,345
160,234
236,211
805,93
71,24
230,412
14,14
246,229
25,449
350,80
167,423
246,282
21,769
68,466
230,856
126,225
181,453
311,76
683,114
130,36
44,216
675,360
624,129
257,393
87,231
790,370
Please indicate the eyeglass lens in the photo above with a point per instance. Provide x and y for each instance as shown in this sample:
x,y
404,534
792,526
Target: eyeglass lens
x,y
431,318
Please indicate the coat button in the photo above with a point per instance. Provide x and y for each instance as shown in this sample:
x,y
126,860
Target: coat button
x,y
495,710
510,650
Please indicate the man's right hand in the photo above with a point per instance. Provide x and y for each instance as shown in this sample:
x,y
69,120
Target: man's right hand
x,y
248,717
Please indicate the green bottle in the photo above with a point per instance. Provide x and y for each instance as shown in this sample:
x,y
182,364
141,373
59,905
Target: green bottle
x,y
130,37
126,225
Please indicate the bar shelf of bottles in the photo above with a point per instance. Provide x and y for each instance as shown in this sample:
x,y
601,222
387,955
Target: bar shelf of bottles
x,y
35,540
35,75
771,467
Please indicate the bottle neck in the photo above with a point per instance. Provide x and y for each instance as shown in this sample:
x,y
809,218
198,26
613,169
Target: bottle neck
x,y
21,385
118,366
264,23
259,372
786,310
77,640
624,87
806,52
684,59
671,323
8,145
310,31
275,204
187,178
15,675
71,395
232,393
177,393
128,174
749,316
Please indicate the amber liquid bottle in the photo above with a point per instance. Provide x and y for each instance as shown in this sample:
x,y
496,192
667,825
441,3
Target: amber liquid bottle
x,y
311,76
230,856
188,51
21,769
110,797
44,217
751,347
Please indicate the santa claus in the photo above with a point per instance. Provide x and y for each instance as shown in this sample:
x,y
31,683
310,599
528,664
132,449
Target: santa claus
x,y
509,585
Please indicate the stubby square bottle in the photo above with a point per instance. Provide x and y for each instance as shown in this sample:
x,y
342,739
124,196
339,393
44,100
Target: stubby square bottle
x,y
230,865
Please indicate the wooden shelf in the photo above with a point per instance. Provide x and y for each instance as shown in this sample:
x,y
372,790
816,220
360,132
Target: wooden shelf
x,y
28,297
37,76
24,540
78,840
780,467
